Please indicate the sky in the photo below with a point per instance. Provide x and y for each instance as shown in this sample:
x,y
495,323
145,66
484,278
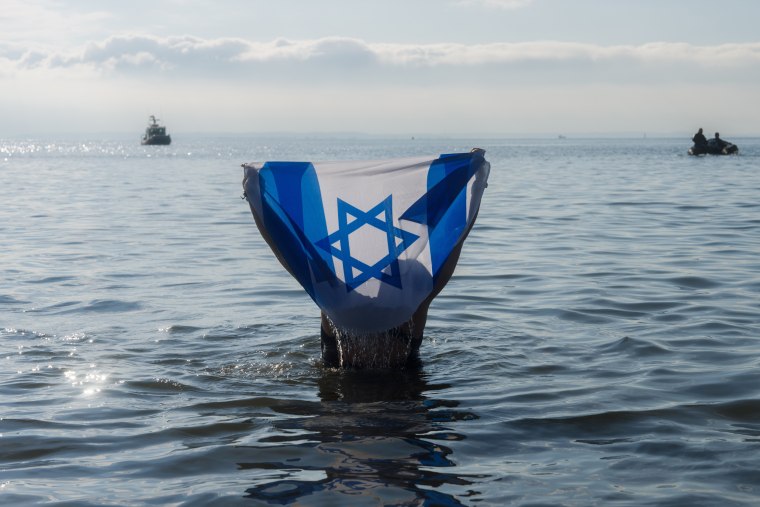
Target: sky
x,y
386,67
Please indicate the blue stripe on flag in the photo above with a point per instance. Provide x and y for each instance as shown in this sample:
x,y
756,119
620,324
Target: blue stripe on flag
x,y
444,207
295,219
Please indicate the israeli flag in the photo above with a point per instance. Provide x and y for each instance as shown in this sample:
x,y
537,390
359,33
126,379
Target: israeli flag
x,y
367,239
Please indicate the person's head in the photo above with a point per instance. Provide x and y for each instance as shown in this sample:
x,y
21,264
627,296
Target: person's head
x,y
717,135
700,130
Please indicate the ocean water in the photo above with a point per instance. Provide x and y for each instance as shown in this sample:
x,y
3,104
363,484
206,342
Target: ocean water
x,y
599,343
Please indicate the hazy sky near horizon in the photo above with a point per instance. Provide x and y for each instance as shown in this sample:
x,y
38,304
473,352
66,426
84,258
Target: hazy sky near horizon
x,y
447,67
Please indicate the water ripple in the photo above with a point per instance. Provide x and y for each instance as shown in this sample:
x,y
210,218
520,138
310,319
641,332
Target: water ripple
x,y
597,344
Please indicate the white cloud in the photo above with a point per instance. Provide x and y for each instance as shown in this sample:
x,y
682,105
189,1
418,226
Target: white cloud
x,y
339,57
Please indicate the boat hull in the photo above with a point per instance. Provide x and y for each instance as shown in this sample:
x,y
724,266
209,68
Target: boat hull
x,y
157,140
712,149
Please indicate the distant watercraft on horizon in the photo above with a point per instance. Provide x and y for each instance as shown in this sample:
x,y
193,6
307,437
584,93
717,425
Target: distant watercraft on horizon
x,y
155,133
715,147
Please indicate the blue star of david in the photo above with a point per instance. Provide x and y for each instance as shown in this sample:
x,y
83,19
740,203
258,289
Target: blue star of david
x,y
398,240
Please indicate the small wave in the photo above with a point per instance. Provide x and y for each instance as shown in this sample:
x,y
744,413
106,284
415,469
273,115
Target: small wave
x,y
23,332
694,282
281,368
637,347
96,306
546,369
639,203
55,308
107,306
159,385
8,300
712,327
180,329
23,386
52,279
638,307
255,403
723,388
583,317
113,305
744,410
606,425
693,207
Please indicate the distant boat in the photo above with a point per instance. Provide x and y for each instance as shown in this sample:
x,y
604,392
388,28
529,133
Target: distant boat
x,y
155,133
714,147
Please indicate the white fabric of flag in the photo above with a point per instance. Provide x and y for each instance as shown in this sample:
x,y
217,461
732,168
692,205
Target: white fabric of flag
x,y
367,239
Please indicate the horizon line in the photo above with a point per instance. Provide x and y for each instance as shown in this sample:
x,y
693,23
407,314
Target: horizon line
x,y
407,135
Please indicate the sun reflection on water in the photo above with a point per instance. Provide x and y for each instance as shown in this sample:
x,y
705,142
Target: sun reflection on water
x,y
90,381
